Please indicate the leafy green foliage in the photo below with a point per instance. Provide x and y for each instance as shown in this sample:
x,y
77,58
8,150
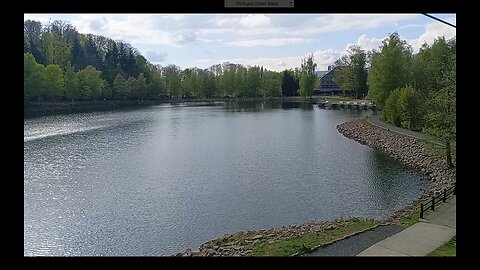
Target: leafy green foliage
x,y
290,83
90,83
71,84
308,77
353,74
391,112
390,68
54,81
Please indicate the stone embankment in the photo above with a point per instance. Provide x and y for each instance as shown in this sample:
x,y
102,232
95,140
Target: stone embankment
x,y
410,151
242,243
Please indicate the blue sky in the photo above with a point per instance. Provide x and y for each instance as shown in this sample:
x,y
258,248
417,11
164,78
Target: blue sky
x,y
275,41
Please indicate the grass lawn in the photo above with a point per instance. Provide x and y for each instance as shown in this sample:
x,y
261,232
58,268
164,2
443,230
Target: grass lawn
x,y
447,250
305,242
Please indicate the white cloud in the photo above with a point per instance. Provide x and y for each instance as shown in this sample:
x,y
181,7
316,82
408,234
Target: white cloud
x,y
323,58
253,24
367,43
154,56
269,42
343,22
126,27
183,38
255,21
433,31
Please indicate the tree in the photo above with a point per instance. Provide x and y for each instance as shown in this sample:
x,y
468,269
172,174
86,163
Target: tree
x,y
119,88
228,79
390,68
391,111
353,72
409,108
140,89
55,50
253,82
33,78
32,32
308,77
130,87
29,64
107,91
272,84
90,83
156,87
55,82
172,78
441,120
290,84
71,86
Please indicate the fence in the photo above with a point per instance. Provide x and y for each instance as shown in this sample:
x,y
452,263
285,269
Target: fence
x,y
442,197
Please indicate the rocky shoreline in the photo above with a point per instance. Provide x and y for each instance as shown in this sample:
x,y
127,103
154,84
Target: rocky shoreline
x,y
242,243
410,151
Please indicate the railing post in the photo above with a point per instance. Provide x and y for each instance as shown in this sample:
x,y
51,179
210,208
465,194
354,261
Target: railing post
x,y
421,210
433,203
444,195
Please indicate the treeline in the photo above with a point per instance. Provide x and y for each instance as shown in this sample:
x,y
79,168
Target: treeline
x,y
417,92
414,91
61,64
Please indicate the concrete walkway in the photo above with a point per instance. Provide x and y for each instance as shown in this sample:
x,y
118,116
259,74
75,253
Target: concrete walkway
x,y
428,234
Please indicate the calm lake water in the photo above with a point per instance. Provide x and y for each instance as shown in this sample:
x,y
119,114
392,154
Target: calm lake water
x,y
159,180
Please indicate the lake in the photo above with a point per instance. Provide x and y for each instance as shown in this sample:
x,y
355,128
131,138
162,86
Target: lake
x,y
158,180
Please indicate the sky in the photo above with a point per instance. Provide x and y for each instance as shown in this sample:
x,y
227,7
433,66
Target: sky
x,y
275,41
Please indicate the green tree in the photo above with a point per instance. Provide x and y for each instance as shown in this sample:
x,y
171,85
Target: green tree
x,y
119,88
390,68
272,84
353,72
33,78
29,65
409,108
253,82
131,87
441,120
156,87
308,77
90,83
32,32
55,50
107,91
391,111
140,87
290,84
55,82
228,79
71,86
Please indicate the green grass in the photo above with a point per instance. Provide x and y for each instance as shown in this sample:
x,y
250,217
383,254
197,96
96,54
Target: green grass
x,y
448,249
293,245
410,217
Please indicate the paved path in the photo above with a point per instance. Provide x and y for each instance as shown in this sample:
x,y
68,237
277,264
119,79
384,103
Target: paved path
x,y
437,228
377,120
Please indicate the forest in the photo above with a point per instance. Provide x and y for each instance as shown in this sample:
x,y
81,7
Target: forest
x,y
61,64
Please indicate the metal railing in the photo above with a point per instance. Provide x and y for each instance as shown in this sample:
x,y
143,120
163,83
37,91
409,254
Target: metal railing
x,y
442,197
